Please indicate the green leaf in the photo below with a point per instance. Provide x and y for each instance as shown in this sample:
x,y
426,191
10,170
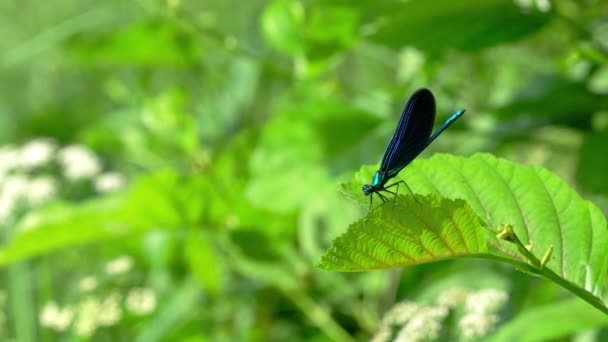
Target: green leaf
x,y
160,200
296,145
542,209
550,322
408,234
555,98
203,261
467,25
150,43
281,25
317,32
592,166
66,225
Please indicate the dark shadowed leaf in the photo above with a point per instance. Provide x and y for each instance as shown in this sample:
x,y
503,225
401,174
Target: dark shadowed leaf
x,y
467,25
592,167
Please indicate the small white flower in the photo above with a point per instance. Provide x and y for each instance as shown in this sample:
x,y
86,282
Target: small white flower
x,y
78,162
480,316
15,187
109,181
452,297
487,300
53,316
110,312
40,189
401,312
88,283
524,3
36,153
424,326
86,322
383,335
543,5
119,265
11,192
477,324
48,313
141,301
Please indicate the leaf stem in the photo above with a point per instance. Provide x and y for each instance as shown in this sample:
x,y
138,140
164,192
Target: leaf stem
x,y
537,267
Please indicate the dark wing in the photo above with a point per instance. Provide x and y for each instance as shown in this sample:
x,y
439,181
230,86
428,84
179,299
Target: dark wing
x,y
412,134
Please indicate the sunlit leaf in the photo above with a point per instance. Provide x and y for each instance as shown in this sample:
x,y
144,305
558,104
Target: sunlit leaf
x,y
162,200
544,211
203,261
66,225
296,145
408,234
281,25
316,32
148,43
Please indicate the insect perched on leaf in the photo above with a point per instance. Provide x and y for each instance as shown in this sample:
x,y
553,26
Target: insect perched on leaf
x,y
412,136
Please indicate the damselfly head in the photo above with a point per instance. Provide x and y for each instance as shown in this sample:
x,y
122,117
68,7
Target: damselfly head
x,y
368,189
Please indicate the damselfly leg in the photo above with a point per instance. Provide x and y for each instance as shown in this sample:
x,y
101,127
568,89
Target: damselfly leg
x,y
397,191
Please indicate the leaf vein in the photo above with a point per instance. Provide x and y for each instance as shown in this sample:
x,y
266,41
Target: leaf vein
x,y
559,223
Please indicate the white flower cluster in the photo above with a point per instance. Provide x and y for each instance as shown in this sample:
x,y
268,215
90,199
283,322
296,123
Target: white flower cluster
x,y
57,318
424,326
141,301
17,187
78,162
541,5
411,321
119,265
416,322
27,180
93,312
481,312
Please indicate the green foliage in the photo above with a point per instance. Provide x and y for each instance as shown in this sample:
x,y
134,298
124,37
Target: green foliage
x,y
556,99
211,138
431,28
591,168
145,44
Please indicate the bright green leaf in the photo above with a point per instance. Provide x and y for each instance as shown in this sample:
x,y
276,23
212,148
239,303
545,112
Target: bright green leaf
x,y
162,200
408,234
543,210
148,43
201,257
281,25
65,225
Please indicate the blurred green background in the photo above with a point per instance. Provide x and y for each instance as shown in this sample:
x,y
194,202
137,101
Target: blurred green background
x,y
170,170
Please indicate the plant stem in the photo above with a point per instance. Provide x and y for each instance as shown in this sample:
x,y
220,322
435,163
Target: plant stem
x,y
318,315
550,275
